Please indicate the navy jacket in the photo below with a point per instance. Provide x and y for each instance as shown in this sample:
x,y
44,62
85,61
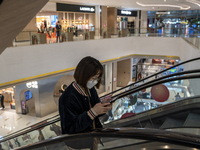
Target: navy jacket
x,y
73,108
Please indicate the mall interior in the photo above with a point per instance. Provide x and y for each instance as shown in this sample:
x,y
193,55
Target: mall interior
x,y
150,52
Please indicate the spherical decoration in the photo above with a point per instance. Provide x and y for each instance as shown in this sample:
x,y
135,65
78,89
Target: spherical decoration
x,y
160,93
127,115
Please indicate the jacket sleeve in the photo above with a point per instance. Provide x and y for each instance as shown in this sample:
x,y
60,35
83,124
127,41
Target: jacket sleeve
x,y
71,120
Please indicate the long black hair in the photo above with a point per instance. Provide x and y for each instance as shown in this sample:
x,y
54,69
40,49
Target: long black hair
x,y
87,68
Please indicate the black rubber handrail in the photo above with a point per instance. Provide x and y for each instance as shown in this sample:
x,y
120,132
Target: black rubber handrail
x,y
186,104
153,135
29,128
152,84
191,60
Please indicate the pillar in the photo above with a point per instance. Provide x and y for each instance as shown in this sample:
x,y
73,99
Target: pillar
x,y
112,20
104,21
97,22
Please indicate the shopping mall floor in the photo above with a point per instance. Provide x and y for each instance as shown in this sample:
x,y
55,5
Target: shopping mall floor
x,y
10,121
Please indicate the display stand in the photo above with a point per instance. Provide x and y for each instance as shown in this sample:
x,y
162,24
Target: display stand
x,y
70,36
92,33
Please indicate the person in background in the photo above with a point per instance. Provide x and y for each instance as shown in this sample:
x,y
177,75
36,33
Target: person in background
x,y
79,105
42,27
58,31
45,25
177,96
2,101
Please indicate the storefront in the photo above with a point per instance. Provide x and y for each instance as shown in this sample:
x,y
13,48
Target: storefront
x,y
126,20
184,22
46,20
147,67
76,17
8,94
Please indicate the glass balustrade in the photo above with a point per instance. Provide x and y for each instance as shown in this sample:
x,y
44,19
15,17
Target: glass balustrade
x,y
32,38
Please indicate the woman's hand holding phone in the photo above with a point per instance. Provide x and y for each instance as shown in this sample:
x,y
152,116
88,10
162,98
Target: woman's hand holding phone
x,y
106,99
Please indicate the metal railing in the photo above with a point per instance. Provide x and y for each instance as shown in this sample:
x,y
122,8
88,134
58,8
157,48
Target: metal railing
x,y
48,37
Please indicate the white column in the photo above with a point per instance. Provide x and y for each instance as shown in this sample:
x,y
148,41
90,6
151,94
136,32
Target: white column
x,y
63,15
108,77
143,22
68,23
137,23
74,19
97,22
84,17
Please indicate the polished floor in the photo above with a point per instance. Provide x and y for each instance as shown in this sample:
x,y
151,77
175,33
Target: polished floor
x,y
11,122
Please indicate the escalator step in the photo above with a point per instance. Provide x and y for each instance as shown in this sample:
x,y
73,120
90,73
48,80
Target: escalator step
x,y
170,122
192,120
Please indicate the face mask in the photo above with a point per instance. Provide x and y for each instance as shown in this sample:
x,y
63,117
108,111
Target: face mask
x,y
91,83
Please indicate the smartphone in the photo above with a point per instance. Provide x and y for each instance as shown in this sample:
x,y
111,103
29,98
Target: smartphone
x,y
106,99
113,100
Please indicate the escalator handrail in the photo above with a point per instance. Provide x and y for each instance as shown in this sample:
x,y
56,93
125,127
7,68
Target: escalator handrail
x,y
184,62
164,108
164,77
152,84
31,128
136,89
156,135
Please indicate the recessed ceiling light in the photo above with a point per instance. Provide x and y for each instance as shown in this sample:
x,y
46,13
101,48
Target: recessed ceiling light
x,y
194,2
185,7
166,147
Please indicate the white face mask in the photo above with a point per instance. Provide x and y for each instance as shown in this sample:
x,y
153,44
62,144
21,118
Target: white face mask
x,y
91,83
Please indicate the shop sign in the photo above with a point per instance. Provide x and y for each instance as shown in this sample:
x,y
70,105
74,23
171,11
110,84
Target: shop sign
x,y
162,12
74,8
126,13
87,9
33,84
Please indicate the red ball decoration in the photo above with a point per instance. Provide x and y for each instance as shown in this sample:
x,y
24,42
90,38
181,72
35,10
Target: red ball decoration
x,y
127,115
160,93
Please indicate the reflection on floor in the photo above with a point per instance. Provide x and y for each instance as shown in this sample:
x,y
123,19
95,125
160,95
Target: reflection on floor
x,y
10,121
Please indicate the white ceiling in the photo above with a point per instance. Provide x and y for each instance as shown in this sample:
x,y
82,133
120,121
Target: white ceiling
x,y
140,4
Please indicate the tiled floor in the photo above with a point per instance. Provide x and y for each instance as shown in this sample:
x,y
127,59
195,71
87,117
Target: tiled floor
x,y
11,122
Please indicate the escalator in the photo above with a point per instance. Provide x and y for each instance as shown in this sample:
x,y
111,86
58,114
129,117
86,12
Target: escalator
x,y
142,109
154,104
120,139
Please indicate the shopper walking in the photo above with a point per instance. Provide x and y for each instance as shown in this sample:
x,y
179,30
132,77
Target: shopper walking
x,y
58,31
2,101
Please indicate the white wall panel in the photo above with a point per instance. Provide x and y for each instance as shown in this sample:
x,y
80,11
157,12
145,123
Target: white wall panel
x,y
27,61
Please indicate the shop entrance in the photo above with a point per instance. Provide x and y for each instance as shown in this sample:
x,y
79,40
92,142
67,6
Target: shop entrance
x,y
27,102
9,101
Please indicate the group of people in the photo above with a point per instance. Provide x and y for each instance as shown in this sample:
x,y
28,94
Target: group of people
x,y
50,30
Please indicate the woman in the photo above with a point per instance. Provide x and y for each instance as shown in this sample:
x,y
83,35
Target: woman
x,y
79,105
